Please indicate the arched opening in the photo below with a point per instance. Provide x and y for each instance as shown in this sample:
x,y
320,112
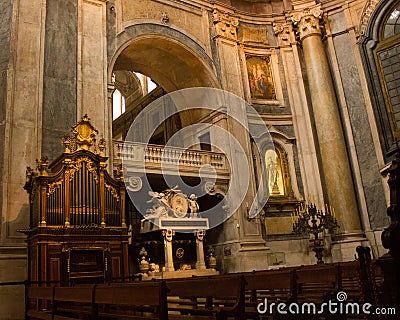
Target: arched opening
x,y
168,65
380,49
163,65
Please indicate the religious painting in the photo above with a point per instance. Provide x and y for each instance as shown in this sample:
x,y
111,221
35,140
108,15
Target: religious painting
x,y
260,77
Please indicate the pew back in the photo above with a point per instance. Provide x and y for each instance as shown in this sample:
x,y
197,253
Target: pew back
x,y
208,297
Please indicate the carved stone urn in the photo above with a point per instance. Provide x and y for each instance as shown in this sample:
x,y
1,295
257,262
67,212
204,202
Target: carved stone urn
x,y
143,262
211,260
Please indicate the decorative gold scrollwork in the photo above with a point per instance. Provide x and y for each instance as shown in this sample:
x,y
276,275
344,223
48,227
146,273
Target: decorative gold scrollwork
x,y
83,138
69,143
77,165
113,191
84,133
52,187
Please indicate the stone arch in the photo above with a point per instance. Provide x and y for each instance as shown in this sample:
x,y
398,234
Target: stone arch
x,y
366,13
172,59
128,84
169,57
373,17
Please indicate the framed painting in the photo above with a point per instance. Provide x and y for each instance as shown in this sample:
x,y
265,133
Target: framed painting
x,y
261,79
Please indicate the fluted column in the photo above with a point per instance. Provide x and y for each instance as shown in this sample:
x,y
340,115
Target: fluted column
x,y
335,162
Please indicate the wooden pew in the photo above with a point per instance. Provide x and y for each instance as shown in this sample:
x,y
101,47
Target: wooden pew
x,y
274,285
38,302
141,300
74,302
349,280
206,298
317,283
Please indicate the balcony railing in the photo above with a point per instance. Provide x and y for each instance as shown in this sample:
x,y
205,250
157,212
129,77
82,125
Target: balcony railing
x,y
169,159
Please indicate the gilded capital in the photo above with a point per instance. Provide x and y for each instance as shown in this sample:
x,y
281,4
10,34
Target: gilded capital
x,y
282,31
307,22
225,25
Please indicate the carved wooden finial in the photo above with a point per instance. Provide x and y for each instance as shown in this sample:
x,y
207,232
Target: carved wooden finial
x,y
102,146
119,174
41,165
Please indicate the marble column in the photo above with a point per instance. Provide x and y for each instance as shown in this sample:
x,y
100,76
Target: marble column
x,y
331,141
200,263
169,259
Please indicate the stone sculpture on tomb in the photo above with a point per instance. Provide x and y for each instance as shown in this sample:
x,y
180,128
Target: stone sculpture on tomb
x,y
194,206
172,203
174,214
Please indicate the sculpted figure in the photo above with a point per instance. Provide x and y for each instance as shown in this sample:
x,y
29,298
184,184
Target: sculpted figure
x,y
160,205
194,206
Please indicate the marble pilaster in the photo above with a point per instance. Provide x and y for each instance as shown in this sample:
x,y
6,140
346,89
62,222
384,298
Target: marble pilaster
x,y
226,38
310,170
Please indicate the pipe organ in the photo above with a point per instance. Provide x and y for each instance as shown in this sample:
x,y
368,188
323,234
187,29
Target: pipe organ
x,y
77,231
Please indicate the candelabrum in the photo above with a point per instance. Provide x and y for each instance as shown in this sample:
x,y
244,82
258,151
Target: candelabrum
x,y
309,220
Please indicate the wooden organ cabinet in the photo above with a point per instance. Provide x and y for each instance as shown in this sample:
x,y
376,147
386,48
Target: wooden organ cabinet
x,y
77,230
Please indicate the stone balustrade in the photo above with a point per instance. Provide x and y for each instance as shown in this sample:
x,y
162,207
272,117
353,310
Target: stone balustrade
x,y
170,158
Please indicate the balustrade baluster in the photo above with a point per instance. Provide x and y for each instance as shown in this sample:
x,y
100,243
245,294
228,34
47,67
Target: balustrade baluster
x,y
165,156
147,154
159,154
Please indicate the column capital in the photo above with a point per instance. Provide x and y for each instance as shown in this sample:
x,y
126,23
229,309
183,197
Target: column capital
x,y
225,25
307,21
282,31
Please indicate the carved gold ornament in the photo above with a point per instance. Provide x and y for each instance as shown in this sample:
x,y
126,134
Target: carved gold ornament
x,y
180,205
84,133
200,235
180,252
53,187
112,190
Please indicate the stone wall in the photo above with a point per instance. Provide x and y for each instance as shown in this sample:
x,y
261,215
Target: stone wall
x,y
12,262
12,268
60,74
5,35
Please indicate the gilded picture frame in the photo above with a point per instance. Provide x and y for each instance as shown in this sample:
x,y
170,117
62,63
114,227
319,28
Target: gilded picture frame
x,y
260,77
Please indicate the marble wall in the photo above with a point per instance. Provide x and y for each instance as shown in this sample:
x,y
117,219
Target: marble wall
x,y
353,107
